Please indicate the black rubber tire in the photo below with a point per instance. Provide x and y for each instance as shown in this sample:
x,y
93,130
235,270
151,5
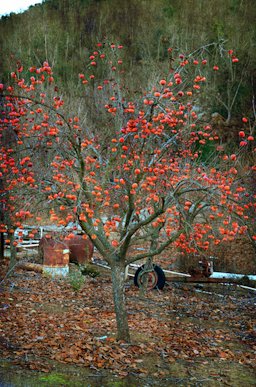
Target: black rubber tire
x,y
158,277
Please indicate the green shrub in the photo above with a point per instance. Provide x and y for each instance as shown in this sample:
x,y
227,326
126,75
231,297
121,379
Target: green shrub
x,y
76,280
89,270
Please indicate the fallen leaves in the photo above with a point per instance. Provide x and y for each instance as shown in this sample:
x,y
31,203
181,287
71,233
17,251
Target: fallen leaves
x,y
45,319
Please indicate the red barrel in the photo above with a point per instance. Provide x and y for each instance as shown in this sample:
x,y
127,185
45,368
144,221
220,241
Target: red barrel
x,y
55,252
81,250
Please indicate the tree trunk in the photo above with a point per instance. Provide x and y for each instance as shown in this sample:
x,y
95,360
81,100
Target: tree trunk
x,y
118,281
1,245
13,251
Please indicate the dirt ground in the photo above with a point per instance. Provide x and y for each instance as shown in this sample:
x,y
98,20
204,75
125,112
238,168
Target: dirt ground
x,y
184,335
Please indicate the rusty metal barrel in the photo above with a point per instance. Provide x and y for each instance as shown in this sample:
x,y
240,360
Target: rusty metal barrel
x,y
55,256
81,250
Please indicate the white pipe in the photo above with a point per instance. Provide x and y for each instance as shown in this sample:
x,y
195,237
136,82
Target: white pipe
x,y
126,272
109,268
247,287
166,271
217,274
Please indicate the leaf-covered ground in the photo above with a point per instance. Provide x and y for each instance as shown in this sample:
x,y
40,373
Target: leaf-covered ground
x,y
182,334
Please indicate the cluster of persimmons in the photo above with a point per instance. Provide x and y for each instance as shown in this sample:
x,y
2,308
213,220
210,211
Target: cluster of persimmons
x,y
148,179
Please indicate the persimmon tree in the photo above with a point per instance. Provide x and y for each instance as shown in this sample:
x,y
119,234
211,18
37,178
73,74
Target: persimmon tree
x,y
139,180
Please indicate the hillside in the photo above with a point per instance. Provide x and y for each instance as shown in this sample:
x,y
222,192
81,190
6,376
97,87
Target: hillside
x,y
63,31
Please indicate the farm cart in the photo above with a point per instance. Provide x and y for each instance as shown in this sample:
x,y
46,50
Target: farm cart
x,y
156,277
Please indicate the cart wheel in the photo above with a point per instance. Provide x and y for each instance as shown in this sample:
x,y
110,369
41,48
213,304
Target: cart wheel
x,y
156,277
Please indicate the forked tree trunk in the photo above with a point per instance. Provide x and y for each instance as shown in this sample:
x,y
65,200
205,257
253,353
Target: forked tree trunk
x,y
118,281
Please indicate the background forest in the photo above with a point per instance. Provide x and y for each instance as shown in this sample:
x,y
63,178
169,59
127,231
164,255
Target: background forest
x,y
64,31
